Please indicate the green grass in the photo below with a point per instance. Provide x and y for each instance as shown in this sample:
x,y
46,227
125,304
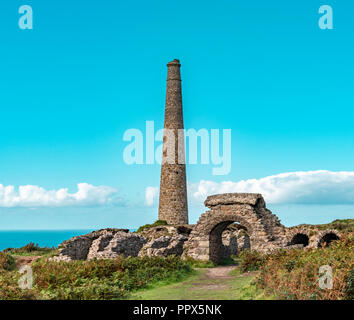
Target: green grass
x,y
199,264
199,287
340,225
343,225
31,249
155,224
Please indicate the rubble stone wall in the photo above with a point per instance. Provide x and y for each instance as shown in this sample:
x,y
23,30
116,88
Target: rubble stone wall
x,y
235,221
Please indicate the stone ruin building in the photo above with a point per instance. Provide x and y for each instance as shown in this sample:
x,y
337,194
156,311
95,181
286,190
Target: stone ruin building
x,y
234,221
238,221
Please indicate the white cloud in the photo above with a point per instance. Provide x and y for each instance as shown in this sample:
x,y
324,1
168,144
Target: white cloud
x,y
310,187
35,196
303,187
151,194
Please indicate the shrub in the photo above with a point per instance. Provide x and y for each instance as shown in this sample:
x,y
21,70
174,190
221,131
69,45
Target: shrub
x,y
250,260
155,224
92,280
6,261
349,290
29,248
103,279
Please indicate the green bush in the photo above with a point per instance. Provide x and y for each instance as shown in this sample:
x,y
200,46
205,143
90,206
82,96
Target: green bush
x,y
103,279
91,280
7,262
29,249
349,288
250,260
155,224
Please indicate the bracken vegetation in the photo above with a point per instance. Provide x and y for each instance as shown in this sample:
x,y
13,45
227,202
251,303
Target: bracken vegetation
x,y
97,279
294,274
250,260
7,262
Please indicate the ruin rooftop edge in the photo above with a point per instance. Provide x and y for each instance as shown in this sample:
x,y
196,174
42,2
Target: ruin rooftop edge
x,y
233,198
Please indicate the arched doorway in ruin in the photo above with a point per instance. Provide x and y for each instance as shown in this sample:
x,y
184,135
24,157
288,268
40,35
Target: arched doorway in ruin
x,y
219,247
248,210
205,241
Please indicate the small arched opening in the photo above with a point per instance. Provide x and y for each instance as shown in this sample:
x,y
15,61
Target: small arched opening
x,y
326,240
300,239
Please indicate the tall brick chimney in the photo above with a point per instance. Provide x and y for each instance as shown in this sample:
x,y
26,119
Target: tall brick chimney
x,y
173,206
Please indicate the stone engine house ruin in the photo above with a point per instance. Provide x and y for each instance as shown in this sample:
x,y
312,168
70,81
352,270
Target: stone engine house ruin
x,y
234,221
263,229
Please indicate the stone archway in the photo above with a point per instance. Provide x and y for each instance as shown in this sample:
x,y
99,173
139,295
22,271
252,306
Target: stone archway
x,y
326,237
299,239
217,249
249,210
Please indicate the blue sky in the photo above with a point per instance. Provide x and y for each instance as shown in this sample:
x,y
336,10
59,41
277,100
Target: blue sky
x,y
89,70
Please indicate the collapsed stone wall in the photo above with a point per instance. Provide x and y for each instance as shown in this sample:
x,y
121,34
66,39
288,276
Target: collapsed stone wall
x,y
112,243
235,221
305,236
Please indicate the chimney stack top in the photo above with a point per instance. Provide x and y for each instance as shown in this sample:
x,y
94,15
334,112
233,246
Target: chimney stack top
x,y
175,62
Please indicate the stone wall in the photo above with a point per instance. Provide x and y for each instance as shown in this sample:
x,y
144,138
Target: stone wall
x,y
101,244
315,237
234,222
112,243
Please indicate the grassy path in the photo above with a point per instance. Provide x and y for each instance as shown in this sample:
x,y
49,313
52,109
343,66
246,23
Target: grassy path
x,y
223,282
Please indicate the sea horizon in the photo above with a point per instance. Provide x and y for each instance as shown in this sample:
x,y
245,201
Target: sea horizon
x,y
43,237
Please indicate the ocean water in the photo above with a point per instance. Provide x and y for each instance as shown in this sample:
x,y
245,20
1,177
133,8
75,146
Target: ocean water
x,y
44,238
